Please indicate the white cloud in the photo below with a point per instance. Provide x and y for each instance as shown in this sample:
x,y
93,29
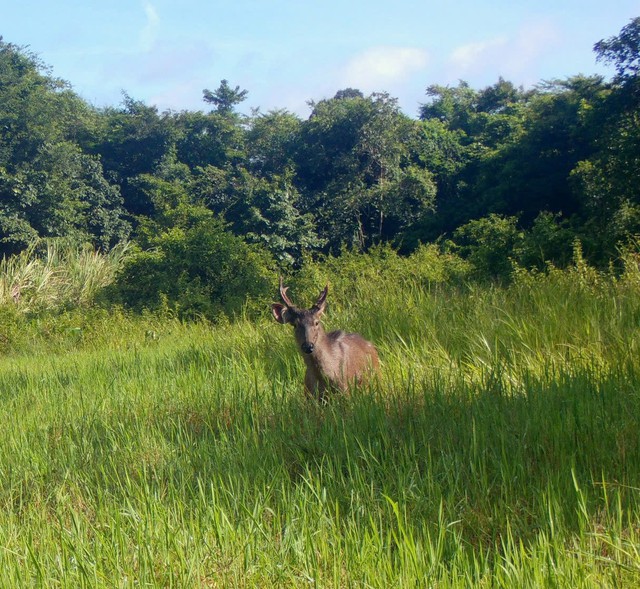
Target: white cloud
x,y
379,67
149,33
509,56
471,55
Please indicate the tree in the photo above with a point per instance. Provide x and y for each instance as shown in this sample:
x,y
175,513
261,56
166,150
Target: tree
x,y
35,108
192,265
489,244
209,139
528,171
443,151
61,192
607,181
265,210
499,97
132,140
225,98
623,51
48,185
449,105
354,167
272,139
348,93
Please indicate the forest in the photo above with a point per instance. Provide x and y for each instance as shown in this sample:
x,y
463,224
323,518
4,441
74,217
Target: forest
x,y
500,176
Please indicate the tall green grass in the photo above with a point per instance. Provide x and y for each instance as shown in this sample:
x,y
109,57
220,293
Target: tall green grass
x,y
501,447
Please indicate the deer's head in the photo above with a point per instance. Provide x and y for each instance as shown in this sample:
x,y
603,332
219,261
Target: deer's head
x,y
306,322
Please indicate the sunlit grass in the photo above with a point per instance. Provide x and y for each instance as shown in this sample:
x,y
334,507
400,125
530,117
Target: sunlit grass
x,y
501,447
55,274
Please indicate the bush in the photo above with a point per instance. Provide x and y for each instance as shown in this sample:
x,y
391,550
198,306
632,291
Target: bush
x,y
549,240
489,244
201,270
381,271
495,244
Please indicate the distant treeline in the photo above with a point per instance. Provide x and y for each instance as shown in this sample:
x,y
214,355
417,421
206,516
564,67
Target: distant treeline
x,y
497,173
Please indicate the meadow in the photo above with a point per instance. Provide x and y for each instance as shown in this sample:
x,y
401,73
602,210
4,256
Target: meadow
x,y
500,447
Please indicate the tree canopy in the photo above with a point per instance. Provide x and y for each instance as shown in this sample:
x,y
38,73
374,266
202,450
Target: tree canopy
x,y
496,165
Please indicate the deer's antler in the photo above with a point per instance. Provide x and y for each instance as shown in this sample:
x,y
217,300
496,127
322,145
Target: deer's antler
x,y
283,294
322,298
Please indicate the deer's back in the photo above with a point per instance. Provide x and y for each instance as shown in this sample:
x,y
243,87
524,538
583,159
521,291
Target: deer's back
x,y
354,355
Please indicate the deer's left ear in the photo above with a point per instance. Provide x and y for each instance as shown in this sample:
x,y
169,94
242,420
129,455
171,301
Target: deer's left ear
x,y
280,313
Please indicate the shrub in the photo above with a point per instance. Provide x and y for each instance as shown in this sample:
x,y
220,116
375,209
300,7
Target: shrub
x,y
489,244
548,240
376,274
201,270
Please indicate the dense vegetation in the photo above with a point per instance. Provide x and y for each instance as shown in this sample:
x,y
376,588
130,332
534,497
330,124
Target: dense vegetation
x,y
155,432
497,174
501,447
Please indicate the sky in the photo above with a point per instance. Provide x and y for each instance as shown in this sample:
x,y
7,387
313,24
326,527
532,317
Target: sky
x,y
287,53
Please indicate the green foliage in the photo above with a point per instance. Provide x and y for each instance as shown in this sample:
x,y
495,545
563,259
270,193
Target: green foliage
x,y
561,158
264,210
528,171
132,140
357,175
194,268
212,139
48,185
486,118
607,180
271,143
496,245
612,211
623,50
449,105
62,193
500,448
35,108
225,98
489,243
549,240
354,276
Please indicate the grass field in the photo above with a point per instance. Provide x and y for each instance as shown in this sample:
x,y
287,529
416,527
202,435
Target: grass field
x,y
501,447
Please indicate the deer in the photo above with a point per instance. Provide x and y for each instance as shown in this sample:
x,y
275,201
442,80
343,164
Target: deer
x,y
335,361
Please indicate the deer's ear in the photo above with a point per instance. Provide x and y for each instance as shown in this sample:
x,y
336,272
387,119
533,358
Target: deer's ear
x,y
280,313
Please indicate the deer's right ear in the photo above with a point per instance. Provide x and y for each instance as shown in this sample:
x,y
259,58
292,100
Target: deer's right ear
x,y
280,313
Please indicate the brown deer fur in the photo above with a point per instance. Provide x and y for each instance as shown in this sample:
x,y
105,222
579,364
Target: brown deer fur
x,y
335,360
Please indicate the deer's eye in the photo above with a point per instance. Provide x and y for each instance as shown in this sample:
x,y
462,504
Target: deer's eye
x,y
316,323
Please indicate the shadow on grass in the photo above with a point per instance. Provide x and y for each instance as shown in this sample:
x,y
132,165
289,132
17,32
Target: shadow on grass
x,y
480,457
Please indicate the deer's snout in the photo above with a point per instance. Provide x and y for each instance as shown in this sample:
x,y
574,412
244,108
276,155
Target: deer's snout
x,y
307,347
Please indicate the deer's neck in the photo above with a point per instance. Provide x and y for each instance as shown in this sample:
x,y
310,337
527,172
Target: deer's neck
x,y
322,358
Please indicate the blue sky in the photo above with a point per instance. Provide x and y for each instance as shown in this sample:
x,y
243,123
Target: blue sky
x,y
287,52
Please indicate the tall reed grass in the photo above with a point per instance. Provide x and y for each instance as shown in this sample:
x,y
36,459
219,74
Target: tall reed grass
x,y
56,273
